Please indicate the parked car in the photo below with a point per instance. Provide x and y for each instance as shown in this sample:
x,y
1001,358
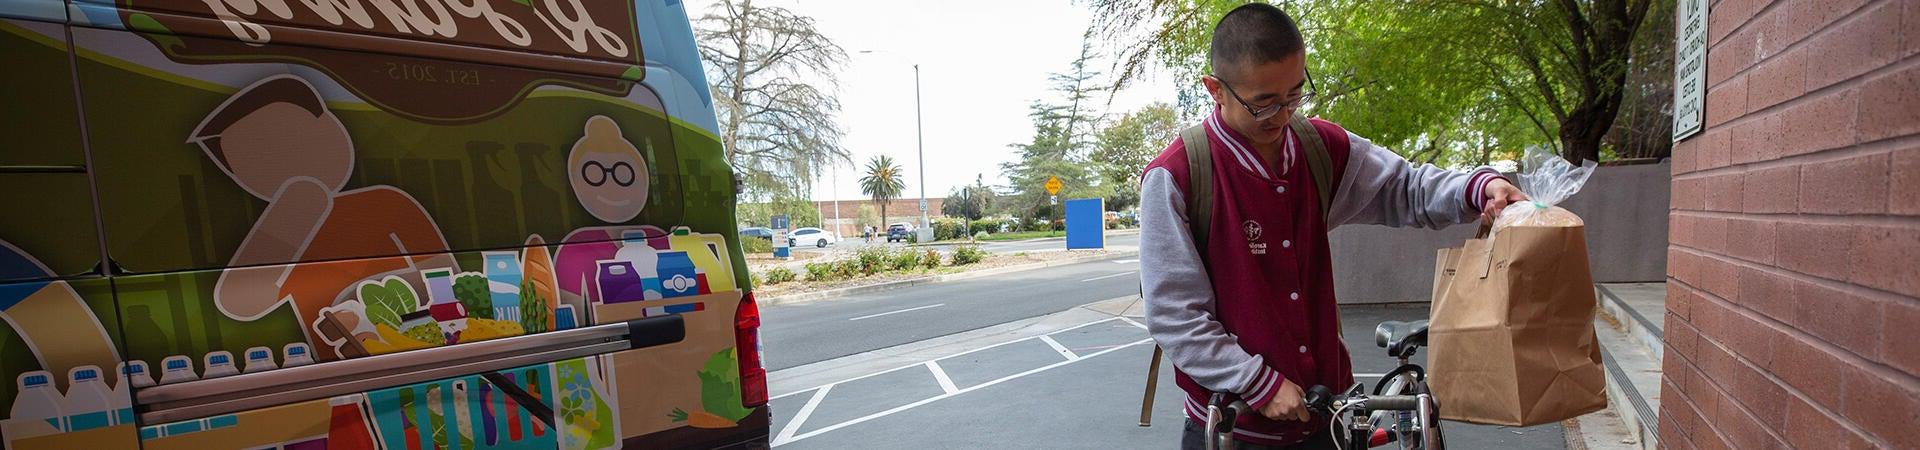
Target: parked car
x,y
818,237
763,233
899,232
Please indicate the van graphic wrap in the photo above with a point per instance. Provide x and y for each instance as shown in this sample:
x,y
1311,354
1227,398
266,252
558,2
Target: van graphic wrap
x,y
271,187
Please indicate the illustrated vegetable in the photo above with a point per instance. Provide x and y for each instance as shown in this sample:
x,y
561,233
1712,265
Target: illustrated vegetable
x,y
471,290
533,309
720,387
701,419
387,300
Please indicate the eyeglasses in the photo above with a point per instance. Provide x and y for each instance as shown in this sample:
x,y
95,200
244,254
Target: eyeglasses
x,y
1267,112
596,174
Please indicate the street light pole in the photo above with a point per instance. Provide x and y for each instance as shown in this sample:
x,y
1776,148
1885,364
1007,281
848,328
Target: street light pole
x,y
919,135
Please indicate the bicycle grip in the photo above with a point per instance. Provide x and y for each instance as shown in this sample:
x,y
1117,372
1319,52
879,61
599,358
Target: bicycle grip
x,y
1393,403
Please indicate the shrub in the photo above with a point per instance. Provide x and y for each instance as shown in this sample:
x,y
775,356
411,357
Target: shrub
x,y
846,268
820,271
945,229
906,260
871,259
977,235
988,226
756,245
968,254
779,275
931,259
755,280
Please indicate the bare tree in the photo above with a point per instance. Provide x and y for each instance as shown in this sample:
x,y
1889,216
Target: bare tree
x,y
773,86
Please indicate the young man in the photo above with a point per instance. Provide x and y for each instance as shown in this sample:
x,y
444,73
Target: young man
x,y
1253,313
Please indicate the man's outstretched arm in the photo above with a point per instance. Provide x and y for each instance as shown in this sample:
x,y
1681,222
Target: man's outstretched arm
x,y
1380,187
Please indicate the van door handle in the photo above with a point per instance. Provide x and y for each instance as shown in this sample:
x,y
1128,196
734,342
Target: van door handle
x,y
236,393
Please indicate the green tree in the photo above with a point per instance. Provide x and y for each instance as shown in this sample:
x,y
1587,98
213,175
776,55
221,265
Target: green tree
x,y
882,182
801,212
870,217
971,202
1062,141
1443,80
1123,149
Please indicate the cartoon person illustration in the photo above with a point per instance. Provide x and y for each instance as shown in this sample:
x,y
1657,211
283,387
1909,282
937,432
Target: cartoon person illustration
x,y
609,179
279,142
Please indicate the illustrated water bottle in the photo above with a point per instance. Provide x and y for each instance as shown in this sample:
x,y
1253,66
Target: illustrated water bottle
x,y
38,399
295,355
634,249
176,369
219,364
122,395
259,359
87,403
136,371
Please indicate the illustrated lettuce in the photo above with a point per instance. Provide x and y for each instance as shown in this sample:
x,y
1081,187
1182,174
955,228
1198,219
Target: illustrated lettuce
x,y
720,387
387,300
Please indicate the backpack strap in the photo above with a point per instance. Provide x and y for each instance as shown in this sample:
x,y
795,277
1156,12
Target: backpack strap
x,y
1199,184
1319,163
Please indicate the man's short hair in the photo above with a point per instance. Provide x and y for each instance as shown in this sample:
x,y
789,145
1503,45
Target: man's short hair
x,y
1253,34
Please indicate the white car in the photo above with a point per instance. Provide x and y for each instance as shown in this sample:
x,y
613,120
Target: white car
x,y
810,235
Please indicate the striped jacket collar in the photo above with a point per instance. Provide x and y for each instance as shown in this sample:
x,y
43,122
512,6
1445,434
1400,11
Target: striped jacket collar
x,y
1242,152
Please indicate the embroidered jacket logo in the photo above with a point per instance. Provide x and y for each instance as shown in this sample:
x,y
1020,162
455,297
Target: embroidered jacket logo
x,y
1252,231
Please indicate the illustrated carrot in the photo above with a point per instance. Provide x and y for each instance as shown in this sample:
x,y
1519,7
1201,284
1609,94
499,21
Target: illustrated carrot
x,y
701,419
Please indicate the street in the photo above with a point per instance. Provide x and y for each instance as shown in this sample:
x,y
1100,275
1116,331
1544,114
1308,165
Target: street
x,y
1050,358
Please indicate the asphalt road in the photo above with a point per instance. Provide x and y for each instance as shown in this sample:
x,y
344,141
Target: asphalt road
x,y
794,335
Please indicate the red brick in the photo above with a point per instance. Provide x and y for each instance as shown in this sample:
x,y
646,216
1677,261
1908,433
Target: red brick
x,y
1723,192
1726,16
1727,59
1761,396
1777,79
1887,258
1908,24
1750,338
1719,277
1807,369
1685,266
1901,352
1809,427
1710,234
1680,304
1819,122
1856,185
1767,293
1815,249
1726,101
1680,337
1895,107
1680,231
1807,16
1854,46
1681,159
1743,429
1755,240
1883,407
1903,192
1846,320
1774,190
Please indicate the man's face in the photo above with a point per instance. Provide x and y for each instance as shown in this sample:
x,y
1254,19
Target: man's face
x,y
1257,86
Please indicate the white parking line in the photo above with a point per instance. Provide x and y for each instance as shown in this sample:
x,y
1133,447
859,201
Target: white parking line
x,y
940,375
1059,348
786,433
1103,277
870,316
1125,261
1137,324
908,406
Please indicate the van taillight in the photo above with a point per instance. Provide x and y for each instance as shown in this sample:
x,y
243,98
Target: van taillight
x,y
746,339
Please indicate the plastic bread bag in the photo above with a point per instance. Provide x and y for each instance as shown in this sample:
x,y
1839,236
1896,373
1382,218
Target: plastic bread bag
x,y
1548,180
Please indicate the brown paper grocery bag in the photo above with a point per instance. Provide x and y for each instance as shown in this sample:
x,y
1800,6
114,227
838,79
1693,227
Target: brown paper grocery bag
x,y
1512,335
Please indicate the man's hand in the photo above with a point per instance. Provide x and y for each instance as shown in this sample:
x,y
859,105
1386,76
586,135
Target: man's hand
x,y
1500,193
1288,404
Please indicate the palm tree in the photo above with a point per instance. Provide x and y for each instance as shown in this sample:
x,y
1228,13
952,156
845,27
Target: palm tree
x,y
883,183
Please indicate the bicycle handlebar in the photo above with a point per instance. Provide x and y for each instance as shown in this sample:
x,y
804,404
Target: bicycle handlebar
x,y
1393,403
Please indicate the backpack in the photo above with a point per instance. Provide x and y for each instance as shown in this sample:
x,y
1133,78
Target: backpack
x,y
1200,175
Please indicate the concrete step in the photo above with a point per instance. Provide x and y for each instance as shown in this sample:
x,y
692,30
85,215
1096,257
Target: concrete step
x,y
1639,310
1633,380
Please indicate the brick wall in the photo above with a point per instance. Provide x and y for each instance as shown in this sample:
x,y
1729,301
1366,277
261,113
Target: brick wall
x,y
1793,309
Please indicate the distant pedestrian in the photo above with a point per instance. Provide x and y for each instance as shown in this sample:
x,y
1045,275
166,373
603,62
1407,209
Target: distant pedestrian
x,y
1241,298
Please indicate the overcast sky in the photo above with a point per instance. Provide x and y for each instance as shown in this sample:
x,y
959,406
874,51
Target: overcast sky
x,y
981,64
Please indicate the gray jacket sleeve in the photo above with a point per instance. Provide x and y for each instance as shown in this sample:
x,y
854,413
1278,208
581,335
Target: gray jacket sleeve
x,y
1180,302
1382,188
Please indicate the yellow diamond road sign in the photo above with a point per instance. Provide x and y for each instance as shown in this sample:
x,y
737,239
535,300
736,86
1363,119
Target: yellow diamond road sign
x,y
1053,185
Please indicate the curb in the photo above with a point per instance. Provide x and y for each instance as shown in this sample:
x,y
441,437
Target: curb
x,y
809,297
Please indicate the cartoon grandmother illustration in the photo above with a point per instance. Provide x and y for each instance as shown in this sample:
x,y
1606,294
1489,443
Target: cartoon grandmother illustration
x,y
609,179
279,142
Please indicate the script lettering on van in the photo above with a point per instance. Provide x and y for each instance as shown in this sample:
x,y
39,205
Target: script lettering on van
x,y
588,28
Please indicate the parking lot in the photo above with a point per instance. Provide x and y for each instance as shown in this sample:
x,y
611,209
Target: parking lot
x,y
1075,385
